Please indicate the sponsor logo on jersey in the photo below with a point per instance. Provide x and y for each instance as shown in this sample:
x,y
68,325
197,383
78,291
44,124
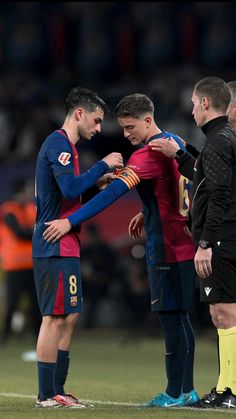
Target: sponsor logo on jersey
x,y
64,158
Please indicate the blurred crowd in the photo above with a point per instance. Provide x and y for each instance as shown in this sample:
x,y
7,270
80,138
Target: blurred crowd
x,y
115,48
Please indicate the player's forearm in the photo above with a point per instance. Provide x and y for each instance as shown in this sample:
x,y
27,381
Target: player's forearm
x,y
73,186
101,201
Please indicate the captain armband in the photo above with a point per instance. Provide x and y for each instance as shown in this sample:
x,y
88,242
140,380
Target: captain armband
x,y
128,176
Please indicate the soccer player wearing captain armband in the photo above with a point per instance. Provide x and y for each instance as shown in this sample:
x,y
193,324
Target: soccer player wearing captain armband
x,y
169,251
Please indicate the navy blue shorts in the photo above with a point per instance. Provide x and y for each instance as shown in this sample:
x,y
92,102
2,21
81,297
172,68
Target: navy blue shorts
x,y
58,285
172,286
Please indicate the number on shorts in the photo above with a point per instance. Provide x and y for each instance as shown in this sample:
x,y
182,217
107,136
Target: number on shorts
x,y
73,284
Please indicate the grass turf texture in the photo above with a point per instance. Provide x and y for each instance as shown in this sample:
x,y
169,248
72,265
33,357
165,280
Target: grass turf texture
x,y
112,373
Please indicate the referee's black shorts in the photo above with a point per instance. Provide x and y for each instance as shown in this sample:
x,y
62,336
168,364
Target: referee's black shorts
x,y
220,286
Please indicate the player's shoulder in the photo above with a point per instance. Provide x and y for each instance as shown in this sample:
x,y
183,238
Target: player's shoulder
x,y
56,140
169,134
140,151
54,135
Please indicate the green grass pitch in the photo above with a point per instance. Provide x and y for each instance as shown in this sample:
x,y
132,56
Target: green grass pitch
x,y
114,374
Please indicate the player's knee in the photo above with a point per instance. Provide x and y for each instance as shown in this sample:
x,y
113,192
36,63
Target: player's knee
x,y
71,319
54,321
225,319
215,321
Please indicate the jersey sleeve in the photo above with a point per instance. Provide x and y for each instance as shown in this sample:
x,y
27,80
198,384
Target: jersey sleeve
x,y
73,186
60,156
101,201
144,164
218,160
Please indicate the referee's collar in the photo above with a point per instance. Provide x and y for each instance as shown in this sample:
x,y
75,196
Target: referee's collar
x,y
214,123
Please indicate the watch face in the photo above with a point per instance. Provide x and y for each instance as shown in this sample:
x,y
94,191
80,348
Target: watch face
x,y
203,244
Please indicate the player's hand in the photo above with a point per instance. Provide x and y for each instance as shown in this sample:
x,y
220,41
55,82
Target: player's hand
x,y
202,262
56,229
105,180
167,146
114,160
136,226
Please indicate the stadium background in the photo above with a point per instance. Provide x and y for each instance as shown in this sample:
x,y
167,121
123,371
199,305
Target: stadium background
x,y
114,48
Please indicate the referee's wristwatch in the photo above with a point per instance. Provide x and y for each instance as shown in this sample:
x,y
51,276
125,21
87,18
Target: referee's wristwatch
x,y
179,153
204,244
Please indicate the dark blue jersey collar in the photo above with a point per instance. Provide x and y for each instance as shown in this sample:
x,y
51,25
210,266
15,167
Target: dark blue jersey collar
x,y
154,137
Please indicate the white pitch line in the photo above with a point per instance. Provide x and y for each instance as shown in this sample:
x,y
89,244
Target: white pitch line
x,y
29,396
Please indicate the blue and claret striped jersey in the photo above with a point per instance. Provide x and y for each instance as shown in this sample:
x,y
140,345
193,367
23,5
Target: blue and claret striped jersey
x,y
58,189
165,196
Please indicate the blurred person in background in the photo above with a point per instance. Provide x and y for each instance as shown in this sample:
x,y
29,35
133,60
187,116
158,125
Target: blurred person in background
x,y
135,298
17,218
231,111
59,189
99,268
170,249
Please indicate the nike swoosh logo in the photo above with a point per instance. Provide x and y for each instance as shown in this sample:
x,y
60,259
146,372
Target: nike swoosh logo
x,y
154,301
172,404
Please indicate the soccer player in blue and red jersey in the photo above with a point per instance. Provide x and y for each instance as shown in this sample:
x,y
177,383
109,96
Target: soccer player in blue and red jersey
x,y
170,249
59,186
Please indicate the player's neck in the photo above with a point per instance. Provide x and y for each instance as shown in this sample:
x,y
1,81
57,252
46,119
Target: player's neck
x,y
70,133
154,130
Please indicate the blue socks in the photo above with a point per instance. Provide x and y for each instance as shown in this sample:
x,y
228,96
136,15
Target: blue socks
x,y
62,367
180,345
46,378
189,364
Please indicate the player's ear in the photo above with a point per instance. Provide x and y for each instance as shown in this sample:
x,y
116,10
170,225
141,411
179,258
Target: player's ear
x,y
148,121
205,102
79,113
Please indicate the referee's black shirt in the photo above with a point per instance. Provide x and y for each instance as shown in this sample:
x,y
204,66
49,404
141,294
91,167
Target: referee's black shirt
x,y
213,209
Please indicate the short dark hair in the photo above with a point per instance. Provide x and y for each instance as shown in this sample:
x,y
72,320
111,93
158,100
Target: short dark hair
x,y
215,89
89,100
136,106
232,88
